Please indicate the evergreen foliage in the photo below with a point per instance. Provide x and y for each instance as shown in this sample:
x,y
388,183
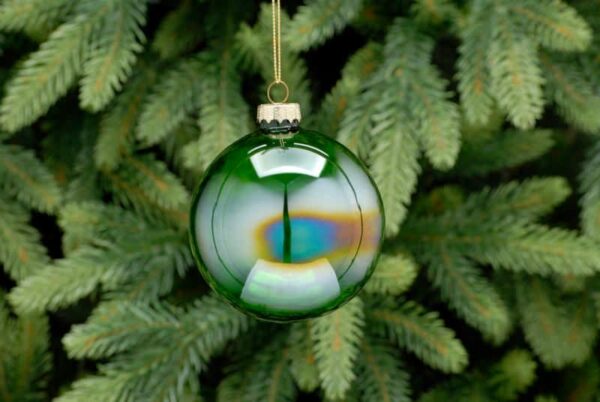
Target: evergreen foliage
x,y
478,120
25,360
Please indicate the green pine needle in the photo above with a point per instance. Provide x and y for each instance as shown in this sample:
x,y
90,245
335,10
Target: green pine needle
x,y
468,293
516,77
560,331
382,377
61,284
303,362
423,333
220,100
114,52
179,32
255,46
358,68
507,149
48,73
337,338
590,186
318,20
173,99
25,361
554,23
27,179
17,15
117,128
148,186
572,92
474,80
395,151
21,252
394,275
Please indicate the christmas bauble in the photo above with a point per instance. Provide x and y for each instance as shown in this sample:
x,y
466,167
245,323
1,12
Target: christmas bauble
x,y
286,226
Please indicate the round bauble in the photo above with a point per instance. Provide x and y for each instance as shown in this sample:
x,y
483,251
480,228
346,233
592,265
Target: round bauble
x,y
286,226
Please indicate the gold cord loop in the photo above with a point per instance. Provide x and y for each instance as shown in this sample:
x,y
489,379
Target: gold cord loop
x,y
285,88
276,4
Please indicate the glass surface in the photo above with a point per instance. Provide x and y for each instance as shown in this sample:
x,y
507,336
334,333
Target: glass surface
x,y
286,228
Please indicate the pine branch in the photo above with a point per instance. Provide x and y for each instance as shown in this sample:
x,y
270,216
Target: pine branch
x,y
303,365
106,389
179,31
23,176
360,66
435,117
174,351
572,92
405,95
538,249
62,284
174,98
421,332
516,77
356,124
508,244
155,181
505,150
148,186
25,15
319,20
149,283
382,377
114,52
469,294
49,72
494,228
220,100
336,345
555,24
113,265
271,378
394,275
434,11
512,375
439,129
115,327
255,47
529,199
438,201
21,252
84,185
589,179
175,146
560,331
474,82
25,361
117,128
395,152
84,223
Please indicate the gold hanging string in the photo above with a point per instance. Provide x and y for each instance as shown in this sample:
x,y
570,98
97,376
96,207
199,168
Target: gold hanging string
x,y
277,54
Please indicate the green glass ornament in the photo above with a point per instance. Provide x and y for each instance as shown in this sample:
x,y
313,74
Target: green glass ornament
x,y
286,223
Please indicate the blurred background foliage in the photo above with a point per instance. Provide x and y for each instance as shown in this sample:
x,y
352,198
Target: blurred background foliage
x,y
478,119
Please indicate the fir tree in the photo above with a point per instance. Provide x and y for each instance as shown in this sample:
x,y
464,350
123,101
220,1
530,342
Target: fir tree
x,y
478,120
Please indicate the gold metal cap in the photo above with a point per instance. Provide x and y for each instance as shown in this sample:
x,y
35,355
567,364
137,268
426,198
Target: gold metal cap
x,y
278,112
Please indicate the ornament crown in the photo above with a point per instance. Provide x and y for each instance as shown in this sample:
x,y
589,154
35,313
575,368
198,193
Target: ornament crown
x,y
279,117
